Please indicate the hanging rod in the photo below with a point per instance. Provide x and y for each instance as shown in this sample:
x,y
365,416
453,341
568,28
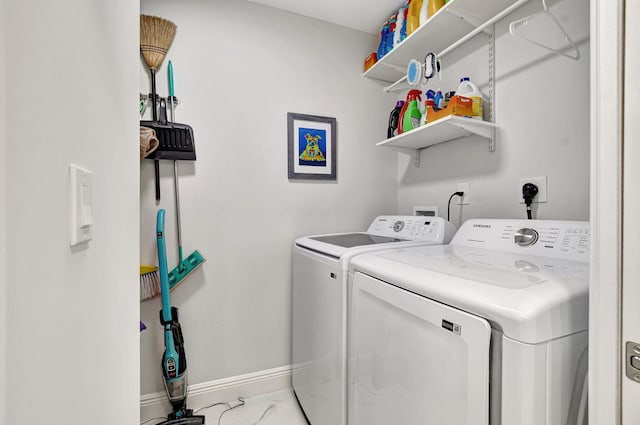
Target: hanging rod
x,y
464,39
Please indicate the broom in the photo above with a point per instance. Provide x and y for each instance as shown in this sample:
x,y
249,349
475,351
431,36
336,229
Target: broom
x,y
156,35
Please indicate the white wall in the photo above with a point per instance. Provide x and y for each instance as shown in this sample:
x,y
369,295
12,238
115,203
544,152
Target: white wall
x,y
3,220
239,68
72,314
542,110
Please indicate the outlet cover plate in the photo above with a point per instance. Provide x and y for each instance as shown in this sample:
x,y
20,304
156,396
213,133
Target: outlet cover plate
x,y
541,182
466,199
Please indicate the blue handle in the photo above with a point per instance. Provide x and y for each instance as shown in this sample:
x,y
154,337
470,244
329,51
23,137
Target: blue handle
x,y
170,72
162,266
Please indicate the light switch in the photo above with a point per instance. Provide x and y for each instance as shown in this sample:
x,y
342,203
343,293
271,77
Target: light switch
x,y
81,206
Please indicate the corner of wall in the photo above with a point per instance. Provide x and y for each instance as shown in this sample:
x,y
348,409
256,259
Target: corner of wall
x,y
3,214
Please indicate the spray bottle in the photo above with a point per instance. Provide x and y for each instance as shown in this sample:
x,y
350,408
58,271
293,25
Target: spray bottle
x,y
412,115
411,94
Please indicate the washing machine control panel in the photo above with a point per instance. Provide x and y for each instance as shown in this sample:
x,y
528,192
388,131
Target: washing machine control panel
x,y
414,228
562,239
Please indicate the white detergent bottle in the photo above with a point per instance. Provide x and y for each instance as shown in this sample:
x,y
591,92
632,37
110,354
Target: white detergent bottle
x,y
468,89
424,12
399,24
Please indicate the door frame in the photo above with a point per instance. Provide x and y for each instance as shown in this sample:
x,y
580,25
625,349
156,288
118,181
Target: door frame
x,y
607,54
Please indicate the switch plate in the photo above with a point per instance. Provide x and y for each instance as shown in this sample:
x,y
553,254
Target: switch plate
x,y
541,182
80,205
466,199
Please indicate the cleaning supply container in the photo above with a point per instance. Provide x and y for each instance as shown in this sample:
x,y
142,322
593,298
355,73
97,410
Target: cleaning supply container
x,y
382,47
413,16
434,6
411,94
428,103
424,12
397,34
468,89
412,115
391,33
405,13
394,117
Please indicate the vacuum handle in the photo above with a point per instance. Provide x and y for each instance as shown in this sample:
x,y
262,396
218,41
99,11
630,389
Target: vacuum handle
x,y
162,266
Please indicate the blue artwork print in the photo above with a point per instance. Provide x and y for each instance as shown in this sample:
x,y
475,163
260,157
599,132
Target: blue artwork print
x,y
312,147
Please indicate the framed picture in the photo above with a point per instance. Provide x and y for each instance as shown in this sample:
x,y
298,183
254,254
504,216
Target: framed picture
x,y
311,147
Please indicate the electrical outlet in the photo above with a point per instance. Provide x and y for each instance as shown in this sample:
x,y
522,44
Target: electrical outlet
x,y
541,182
463,200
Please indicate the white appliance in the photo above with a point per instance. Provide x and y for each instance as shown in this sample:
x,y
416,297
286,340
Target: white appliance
x,y
320,272
490,329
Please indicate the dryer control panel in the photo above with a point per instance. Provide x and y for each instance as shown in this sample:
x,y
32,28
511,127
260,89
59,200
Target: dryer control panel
x,y
413,228
549,238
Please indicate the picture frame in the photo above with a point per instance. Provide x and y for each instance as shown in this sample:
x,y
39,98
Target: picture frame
x,y
311,147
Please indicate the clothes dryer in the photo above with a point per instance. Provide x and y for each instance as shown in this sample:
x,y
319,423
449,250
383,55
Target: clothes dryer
x,y
320,272
490,329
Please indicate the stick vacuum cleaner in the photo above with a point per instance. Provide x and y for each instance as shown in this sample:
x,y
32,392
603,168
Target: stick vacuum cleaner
x,y
174,361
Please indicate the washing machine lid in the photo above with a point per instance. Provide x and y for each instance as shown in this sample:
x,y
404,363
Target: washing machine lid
x,y
531,298
350,240
383,230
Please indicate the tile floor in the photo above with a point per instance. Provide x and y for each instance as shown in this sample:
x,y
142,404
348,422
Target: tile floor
x,y
277,408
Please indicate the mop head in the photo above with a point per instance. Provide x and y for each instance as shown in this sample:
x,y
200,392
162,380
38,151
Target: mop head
x,y
185,268
191,420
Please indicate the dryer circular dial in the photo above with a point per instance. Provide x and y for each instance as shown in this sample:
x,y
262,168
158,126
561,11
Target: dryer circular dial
x,y
398,225
525,237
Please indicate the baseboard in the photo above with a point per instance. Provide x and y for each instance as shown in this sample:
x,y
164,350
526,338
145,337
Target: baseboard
x,y
226,389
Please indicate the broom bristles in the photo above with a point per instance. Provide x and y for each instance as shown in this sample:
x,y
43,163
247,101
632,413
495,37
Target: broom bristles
x,y
156,35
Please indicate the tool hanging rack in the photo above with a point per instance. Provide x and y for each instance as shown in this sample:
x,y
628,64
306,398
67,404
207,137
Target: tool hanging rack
x,y
147,98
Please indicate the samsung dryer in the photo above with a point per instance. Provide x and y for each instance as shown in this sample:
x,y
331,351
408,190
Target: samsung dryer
x,y
490,329
320,271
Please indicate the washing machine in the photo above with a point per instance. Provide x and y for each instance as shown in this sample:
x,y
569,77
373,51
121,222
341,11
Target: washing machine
x,y
320,273
490,329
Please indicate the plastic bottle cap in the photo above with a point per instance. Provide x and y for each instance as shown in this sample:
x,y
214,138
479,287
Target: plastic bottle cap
x,y
464,79
400,104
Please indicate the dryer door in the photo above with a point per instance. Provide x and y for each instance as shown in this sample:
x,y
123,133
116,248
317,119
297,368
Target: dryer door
x,y
413,361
